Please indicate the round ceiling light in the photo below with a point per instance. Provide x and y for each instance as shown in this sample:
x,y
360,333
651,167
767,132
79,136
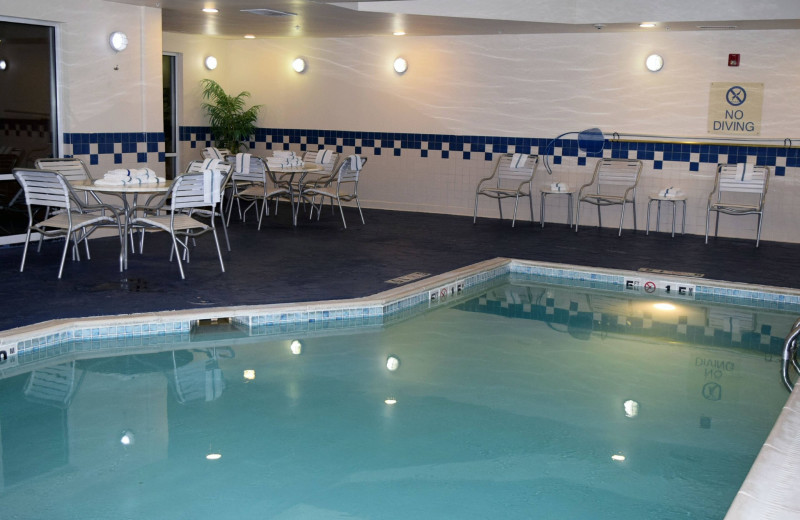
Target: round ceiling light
x,y
654,63
3,64
400,65
118,41
299,65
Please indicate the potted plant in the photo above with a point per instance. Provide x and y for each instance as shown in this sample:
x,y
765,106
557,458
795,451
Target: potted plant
x,y
230,122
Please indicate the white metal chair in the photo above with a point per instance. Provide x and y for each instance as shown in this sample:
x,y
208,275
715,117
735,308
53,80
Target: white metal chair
x,y
613,184
512,177
75,221
191,191
341,187
740,190
226,171
212,152
250,185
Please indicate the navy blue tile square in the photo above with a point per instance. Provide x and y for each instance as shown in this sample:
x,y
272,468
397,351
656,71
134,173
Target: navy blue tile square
x,y
397,152
339,149
423,153
117,158
357,150
92,138
302,147
466,155
152,146
376,151
67,138
581,161
657,165
194,144
487,156
129,147
557,159
105,148
93,158
780,171
141,157
161,157
694,166
445,154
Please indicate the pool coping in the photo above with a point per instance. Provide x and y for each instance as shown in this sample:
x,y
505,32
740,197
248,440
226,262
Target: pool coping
x,y
767,491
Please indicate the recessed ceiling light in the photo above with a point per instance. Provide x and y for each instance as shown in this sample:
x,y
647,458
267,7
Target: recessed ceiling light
x,y
210,10
647,24
399,33
249,36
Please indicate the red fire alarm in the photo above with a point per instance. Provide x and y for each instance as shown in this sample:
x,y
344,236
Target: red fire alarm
x,y
733,60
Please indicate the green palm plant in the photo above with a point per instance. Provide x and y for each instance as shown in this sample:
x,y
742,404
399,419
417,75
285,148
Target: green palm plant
x,y
230,122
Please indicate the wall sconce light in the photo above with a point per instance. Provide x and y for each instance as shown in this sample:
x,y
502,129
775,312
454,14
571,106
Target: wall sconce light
x,y
654,63
400,65
299,65
3,64
211,63
118,41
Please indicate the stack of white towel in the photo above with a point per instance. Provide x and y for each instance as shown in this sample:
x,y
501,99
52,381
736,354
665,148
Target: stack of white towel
x,y
670,193
284,159
242,163
559,187
124,177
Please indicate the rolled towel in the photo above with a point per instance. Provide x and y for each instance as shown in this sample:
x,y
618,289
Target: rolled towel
x,y
670,193
355,163
212,179
324,156
242,163
559,186
518,160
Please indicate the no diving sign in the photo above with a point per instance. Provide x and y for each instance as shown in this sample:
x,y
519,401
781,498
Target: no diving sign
x,y
735,108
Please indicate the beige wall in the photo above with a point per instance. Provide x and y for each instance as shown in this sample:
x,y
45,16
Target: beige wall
x,y
511,85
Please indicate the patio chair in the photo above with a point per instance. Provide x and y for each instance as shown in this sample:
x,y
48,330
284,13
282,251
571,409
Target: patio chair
x,y
740,189
191,191
226,171
74,220
341,187
613,184
512,177
250,185
212,152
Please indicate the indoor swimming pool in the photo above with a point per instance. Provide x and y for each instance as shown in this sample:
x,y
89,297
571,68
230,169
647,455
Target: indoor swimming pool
x,y
519,399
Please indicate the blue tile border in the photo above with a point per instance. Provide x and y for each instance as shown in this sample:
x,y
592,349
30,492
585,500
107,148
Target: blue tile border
x,y
655,154
122,147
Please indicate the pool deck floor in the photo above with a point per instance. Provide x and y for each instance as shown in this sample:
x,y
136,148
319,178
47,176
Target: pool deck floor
x,y
322,261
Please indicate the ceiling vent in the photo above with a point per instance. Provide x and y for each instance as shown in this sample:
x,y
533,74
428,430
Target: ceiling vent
x,y
717,27
268,12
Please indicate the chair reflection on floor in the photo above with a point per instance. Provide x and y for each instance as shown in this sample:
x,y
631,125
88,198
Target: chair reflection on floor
x,y
613,183
198,380
740,189
512,177
54,385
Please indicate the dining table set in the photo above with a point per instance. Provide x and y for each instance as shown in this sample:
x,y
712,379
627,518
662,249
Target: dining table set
x,y
289,173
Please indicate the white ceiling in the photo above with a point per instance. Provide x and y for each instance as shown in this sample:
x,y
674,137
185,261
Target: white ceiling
x,y
334,19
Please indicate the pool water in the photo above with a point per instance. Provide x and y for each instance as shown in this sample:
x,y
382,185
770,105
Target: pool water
x,y
528,401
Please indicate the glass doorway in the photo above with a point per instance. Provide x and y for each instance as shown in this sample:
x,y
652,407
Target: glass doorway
x,y
169,66
28,119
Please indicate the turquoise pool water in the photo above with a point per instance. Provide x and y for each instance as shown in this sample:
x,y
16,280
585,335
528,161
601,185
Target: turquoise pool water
x,y
527,401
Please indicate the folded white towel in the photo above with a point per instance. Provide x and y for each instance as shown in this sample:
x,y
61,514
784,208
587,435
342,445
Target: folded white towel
x,y
242,163
212,179
214,153
283,153
284,162
355,163
559,186
518,160
324,156
745,172
133,181
122,176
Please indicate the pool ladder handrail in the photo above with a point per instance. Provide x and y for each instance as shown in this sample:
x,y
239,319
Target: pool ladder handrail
x,y
790,355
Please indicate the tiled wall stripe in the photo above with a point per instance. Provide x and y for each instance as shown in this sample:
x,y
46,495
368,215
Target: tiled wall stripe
x,y
655,154
124,147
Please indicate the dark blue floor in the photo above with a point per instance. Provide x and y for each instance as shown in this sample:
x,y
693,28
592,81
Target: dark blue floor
x,y
321,260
